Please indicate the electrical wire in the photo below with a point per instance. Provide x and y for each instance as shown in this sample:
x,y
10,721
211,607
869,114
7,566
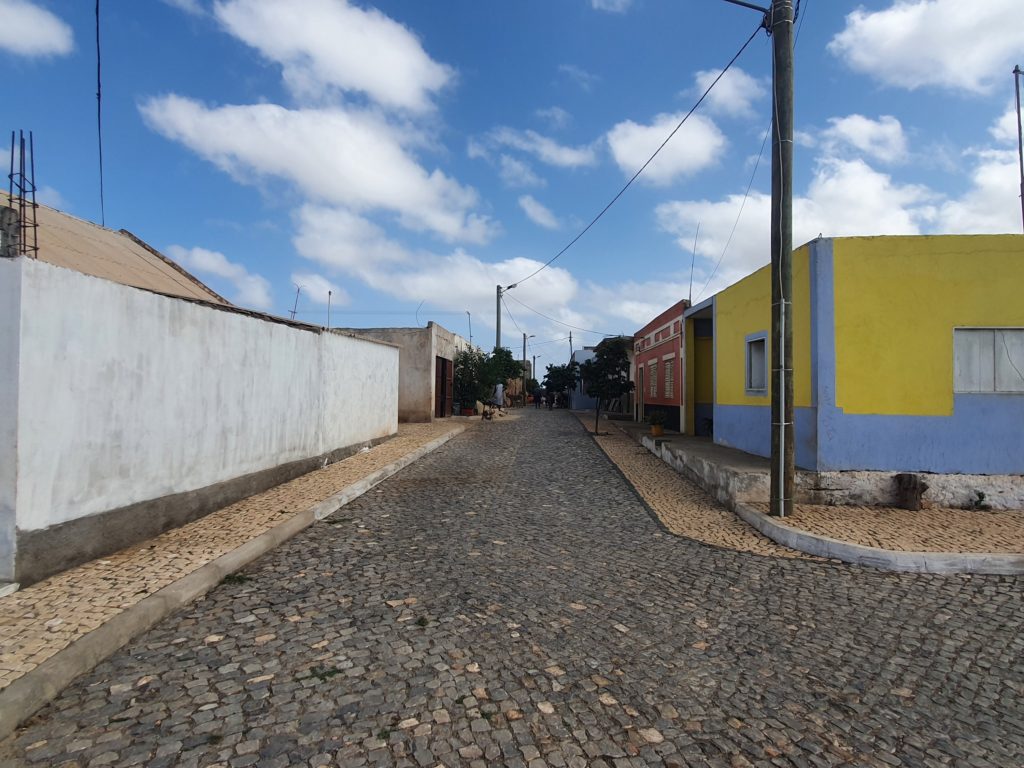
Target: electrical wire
x,y
634,177
800,26
510,316
738,215
99,114
560,322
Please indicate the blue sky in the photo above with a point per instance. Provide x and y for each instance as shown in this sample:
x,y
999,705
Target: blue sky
x,y
411,156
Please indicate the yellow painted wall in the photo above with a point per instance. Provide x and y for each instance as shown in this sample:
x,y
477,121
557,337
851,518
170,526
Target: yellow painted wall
x,y
688,393
897,301
745,308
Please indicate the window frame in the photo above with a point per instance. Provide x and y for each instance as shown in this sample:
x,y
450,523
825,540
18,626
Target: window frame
x,y
992,331
748,342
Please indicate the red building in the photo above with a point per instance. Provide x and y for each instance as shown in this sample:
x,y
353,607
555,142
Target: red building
x,y
658,366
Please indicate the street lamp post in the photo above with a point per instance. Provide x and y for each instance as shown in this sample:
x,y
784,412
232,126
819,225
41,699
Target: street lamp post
x,y
497,324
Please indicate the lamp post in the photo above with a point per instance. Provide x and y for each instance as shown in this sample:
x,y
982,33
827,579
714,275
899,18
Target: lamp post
x,y
470,318
497,325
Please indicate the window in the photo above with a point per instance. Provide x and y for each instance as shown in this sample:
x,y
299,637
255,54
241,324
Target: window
x,y
652,375
757,364
988,360
669,380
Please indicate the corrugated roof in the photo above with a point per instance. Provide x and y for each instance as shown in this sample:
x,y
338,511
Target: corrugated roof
x,y
121,257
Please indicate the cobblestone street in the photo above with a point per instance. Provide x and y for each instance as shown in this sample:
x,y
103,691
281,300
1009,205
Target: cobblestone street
x,y
509,600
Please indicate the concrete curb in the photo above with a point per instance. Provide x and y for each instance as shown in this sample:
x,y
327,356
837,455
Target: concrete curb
x,y
30,692
992,564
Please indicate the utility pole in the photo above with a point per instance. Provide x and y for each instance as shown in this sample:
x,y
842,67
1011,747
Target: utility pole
x,y
497,325
329,309
1017,72
524,368
780,27
470,317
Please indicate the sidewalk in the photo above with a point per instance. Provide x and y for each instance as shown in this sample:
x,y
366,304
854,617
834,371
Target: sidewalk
x,y
40,621
937,539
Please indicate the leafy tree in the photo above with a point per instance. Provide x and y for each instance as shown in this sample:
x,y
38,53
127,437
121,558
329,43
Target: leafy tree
x,y
561,379
500,367
469,377
607,376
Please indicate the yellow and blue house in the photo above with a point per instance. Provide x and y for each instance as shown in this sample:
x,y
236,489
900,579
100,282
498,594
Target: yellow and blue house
x,y
908,356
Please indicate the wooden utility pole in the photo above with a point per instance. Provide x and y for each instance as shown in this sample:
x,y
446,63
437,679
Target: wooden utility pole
x,y
1020,138
780,26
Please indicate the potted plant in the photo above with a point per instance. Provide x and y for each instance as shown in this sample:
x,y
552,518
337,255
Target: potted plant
x,y
656,418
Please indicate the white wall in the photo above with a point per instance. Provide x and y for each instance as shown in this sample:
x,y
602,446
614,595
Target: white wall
x,y
127,396
10,336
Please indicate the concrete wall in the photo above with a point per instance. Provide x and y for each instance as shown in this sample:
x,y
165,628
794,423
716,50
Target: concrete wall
x,y
125,396
418,349
10,342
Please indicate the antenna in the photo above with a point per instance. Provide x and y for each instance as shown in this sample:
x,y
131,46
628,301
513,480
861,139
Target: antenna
x,y
22,235
298,289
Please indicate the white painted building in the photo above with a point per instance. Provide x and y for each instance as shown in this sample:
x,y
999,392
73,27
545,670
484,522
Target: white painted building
x,y
425,368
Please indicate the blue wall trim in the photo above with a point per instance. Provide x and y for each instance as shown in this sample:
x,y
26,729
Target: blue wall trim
x,y
748,428
985,435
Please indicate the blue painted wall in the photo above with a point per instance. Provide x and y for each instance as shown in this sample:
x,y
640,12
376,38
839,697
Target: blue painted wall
x,y
748,427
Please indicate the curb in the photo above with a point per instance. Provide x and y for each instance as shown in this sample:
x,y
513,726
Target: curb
x,y
30,692
987,564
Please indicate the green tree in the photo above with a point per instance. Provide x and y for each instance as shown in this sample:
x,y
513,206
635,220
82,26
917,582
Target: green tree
x,y
501,367
606,377
561,379
469,374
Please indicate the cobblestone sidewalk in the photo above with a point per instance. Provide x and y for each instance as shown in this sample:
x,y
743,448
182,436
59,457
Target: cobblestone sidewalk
x,y
45,618
926,530
681,505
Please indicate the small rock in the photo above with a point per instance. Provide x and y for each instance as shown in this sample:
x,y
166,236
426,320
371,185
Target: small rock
x,y
651,735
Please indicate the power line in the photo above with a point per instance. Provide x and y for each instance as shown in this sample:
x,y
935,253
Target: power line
x,y
99,113
510,317
800,26
560,322
739,213
634,177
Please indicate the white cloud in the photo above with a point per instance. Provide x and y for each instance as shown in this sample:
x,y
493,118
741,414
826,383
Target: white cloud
x,y
29,30
612,6
543,148
516,173
188,6
585,80
1004,129
319,289
735,93
697,145
47,195
948,44
637,302
343,242
537,213
881,139
556,117
251,290
330,45
353,158
992,203
845,198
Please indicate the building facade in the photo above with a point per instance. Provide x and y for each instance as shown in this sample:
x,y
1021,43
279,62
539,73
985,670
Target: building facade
x,y
658,367
908,355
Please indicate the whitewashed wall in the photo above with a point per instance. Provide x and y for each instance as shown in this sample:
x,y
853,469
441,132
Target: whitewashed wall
x,y
126,396
10,311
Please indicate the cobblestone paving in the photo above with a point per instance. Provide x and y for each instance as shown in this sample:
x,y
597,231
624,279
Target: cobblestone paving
x,y
45,618
507,601
927,530
681,505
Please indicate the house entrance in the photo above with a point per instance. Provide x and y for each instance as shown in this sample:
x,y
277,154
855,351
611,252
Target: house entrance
x,y
442,387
